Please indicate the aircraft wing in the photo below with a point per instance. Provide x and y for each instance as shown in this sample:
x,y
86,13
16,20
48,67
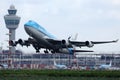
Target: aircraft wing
x,y
79,43
104,42
90,43
26,43
59,43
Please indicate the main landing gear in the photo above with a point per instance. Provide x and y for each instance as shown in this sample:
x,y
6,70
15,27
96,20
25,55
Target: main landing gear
x,y
46,51
37,51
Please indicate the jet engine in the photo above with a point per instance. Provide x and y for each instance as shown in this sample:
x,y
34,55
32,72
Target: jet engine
x,y
12,43
20,41
26,42
89,44
65,42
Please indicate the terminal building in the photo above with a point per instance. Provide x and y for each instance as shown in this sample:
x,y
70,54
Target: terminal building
x,y
43,61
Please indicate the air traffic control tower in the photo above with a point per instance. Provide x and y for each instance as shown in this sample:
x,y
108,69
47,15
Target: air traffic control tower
x,y
12,22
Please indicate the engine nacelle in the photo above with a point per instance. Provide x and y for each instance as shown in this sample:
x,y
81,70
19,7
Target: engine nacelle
x,y
25,42
20,41
89,44
65,42
12,43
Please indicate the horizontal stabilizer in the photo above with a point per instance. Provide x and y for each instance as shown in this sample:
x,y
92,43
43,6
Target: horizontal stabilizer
x,y
82,51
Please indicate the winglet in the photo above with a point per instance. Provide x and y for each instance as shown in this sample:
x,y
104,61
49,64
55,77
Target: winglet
x,y
116,40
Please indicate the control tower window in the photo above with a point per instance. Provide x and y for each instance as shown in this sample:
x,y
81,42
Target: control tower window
x,y
12,22
12,11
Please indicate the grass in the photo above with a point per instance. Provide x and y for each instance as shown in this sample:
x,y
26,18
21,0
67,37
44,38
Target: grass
x,y
54,78
58,75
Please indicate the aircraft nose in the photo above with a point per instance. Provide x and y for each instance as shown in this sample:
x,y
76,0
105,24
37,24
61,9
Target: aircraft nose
x,y
27,29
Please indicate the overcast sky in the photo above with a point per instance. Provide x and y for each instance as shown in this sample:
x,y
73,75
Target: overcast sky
x,y
94,20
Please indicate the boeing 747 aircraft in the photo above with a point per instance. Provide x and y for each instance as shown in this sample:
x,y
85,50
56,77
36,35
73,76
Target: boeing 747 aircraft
x,y
59,66
106,66
4,66
40,38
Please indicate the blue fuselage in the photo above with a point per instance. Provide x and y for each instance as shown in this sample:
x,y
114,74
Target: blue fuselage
x,y
39,33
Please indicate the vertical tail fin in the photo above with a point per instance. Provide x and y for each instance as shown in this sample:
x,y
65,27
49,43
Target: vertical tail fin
x,y
54,62
75,37
110,63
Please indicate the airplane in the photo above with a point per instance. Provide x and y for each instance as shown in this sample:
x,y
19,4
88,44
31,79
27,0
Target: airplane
x,y
59,66
5,66
106,66
42,39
